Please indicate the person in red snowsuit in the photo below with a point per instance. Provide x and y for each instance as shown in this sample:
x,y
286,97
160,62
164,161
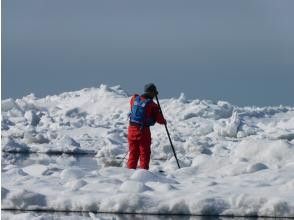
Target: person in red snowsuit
x,y
139,137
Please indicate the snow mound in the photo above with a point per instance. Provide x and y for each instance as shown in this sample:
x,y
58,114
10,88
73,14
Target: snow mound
x,y
72,173
23,199
75,184
133,187
35,169
256,167
145,176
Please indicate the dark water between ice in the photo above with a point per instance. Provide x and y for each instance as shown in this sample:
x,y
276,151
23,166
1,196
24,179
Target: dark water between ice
x,y
105,216
88,163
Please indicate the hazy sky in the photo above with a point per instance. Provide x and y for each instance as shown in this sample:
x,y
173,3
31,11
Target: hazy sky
x,y
241,51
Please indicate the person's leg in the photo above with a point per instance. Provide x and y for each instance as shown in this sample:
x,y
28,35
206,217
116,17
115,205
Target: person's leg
x,y
134,137
144,155
134,152
145,150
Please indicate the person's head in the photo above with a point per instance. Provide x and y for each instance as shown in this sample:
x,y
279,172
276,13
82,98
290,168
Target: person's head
x,y
150,90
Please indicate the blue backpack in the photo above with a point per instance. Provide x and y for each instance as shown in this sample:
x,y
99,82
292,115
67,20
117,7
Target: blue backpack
x,y
138,112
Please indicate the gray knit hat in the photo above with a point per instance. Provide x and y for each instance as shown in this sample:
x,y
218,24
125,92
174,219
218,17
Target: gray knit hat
x,y
150,87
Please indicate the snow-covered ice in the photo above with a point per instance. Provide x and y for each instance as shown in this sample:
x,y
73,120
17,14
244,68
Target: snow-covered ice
x,y
235,160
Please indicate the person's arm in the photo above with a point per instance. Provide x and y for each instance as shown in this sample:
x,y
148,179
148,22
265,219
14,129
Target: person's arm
x,y
158,115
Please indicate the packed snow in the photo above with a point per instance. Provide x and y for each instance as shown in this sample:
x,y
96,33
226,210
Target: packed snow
x,y
235,161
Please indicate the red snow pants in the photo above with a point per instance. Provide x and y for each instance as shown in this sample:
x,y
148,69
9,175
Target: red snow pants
x,y
139,147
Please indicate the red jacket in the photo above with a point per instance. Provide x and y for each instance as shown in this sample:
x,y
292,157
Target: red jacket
x,y
152,110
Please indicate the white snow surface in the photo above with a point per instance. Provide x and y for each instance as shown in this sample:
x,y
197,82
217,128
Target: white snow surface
x,y
235,160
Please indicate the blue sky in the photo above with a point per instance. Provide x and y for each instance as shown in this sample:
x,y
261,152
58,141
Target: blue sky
x,y
234,50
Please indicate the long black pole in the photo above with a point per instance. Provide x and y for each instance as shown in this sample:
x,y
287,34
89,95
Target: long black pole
x,y
170,141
